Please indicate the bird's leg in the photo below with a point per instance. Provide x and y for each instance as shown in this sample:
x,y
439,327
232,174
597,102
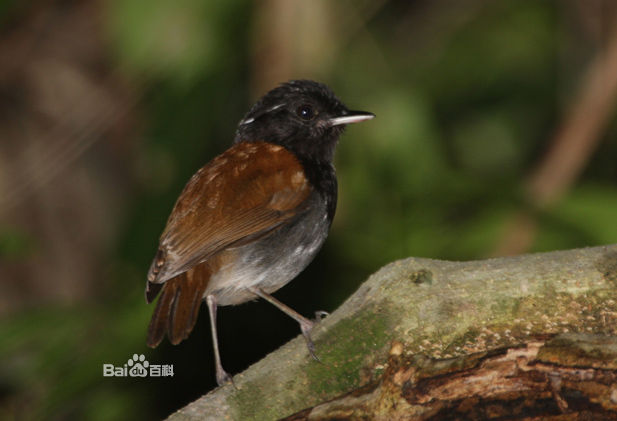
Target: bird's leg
x,y
222,377
306,325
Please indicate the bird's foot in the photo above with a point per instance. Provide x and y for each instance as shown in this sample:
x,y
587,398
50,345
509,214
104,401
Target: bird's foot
x,y
223,378
306,326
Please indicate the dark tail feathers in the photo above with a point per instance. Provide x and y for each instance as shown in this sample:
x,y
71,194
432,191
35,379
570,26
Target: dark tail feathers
x,y
178,306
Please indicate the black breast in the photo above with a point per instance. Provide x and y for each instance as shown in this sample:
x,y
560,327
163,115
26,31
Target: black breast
x,y
322,177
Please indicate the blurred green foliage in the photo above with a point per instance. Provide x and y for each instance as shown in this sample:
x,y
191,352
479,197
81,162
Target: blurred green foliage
x,y
463,113
180,41
15,244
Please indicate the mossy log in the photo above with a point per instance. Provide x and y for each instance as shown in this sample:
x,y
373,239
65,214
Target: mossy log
x,y
528,336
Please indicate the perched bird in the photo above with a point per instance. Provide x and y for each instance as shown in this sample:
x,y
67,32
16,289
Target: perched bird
x,y
253,218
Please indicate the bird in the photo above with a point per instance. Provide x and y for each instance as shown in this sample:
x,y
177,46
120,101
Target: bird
x,y
250,220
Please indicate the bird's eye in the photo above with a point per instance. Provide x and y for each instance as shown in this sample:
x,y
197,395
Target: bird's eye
x,y
306,112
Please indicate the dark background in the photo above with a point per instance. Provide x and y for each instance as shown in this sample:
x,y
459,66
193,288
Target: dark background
x,y
495,135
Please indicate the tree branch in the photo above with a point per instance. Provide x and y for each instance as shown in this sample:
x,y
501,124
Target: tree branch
x,y
416,309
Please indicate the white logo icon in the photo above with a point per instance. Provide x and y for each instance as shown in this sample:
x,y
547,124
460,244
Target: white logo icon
x,y
138,366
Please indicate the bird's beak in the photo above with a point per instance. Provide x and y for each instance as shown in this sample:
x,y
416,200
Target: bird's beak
x,y
351,117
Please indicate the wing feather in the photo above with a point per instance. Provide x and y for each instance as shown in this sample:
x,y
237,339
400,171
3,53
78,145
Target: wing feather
x,y
244,193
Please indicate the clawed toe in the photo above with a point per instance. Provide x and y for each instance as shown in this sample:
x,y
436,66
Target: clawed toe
x,y
310,346
306,326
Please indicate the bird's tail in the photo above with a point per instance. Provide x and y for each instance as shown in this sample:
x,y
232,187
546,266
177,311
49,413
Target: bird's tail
x,y
178,306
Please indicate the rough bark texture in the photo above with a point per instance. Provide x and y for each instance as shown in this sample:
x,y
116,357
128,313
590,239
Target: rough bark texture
x,y
528,337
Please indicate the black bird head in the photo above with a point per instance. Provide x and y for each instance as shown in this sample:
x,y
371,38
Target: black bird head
x,y
301,115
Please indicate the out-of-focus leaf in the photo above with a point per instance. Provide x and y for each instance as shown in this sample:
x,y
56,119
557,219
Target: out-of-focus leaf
x,y
486,145
585,216
181,40
15,244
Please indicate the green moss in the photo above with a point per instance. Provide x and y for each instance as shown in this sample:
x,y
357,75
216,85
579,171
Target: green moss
x,y
516,306
249,400
342,352
253,400
549,289
505,307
